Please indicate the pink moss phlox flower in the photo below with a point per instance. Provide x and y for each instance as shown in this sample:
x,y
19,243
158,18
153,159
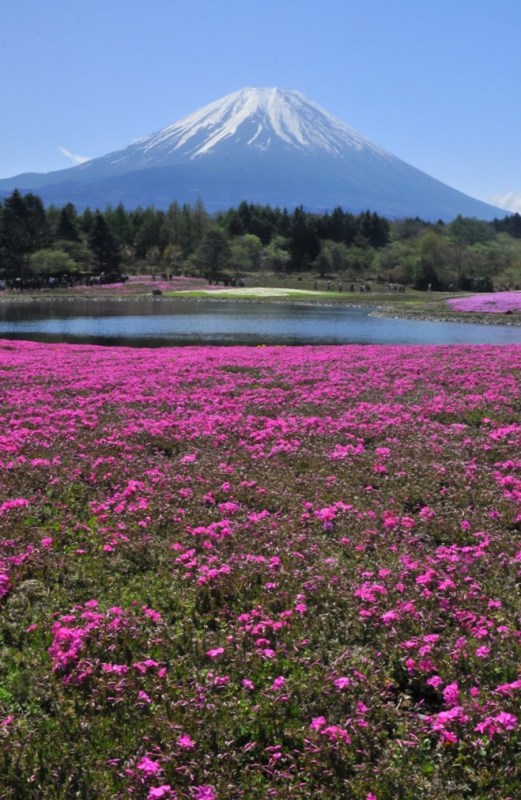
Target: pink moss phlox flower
x,y
149,767
342,683
204,793
155,616
508,688
156,792
146,665
185,742
5,584
215,652
451,694
494,303
335,733
501,722
16,502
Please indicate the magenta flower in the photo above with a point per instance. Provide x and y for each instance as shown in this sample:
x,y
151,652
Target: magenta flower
x,y
149,767
204,793
215,652
185,742
451,694
160,791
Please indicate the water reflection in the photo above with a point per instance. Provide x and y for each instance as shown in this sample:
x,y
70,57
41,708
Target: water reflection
x,y
156,322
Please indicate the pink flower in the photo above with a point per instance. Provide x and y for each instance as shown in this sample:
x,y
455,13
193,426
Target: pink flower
x,y
317,723
248,684
215,652
185,742
160,791
204,793
448,737
451,694
149,767
278,683
342,683
335,733
508,721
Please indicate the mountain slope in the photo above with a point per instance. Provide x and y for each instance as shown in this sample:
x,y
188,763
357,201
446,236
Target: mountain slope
x,y
266,146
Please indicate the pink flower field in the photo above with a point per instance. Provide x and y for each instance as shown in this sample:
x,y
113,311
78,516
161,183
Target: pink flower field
x,y
494,303
265,572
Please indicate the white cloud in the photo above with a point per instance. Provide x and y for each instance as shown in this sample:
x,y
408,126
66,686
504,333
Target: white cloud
x,y
510,201
73,157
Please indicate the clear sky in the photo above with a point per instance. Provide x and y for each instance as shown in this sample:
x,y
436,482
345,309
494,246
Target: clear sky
x,y
438,84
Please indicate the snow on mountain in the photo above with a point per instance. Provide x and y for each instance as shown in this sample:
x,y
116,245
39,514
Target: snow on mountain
x,y
251,121
257,117
266,146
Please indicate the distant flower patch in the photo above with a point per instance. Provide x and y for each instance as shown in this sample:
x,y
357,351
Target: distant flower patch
x,y
496,303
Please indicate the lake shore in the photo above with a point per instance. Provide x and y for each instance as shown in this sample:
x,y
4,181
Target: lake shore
x,y
410,305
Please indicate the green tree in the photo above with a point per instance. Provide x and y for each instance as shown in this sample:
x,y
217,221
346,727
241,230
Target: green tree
x,y
276,255
151,232
333,257
304,245
213,254
23,230
67,228
52,263
104,245
173,260
430,260
246,253
119,222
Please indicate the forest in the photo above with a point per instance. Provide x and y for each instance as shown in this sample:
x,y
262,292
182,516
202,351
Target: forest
x,y
61,246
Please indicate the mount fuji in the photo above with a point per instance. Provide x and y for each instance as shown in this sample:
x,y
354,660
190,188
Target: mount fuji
x,y
266,146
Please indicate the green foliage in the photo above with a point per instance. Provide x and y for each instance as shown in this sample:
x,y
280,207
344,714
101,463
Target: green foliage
x,y
52,263
23,230
104,245
213,254
467,254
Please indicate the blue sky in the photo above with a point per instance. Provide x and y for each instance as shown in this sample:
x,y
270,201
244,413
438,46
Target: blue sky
x,y
438,84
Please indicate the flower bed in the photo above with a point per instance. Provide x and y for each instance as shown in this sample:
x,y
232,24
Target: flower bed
x,y
259,572
494,303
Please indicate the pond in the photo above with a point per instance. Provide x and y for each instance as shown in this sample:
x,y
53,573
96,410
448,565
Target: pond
x,y
159,322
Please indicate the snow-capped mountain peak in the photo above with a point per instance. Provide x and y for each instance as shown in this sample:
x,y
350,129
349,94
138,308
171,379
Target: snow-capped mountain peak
x,y
267,146
251,118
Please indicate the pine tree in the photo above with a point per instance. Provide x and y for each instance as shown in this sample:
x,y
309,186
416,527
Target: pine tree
x,y
104,245
23,230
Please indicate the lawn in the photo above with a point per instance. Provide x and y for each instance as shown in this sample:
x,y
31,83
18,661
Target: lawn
x,y
267,572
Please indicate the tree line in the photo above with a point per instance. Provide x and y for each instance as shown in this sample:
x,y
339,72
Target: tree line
x,y
42,245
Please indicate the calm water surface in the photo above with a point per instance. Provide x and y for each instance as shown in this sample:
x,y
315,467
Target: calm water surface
x,y
157,322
